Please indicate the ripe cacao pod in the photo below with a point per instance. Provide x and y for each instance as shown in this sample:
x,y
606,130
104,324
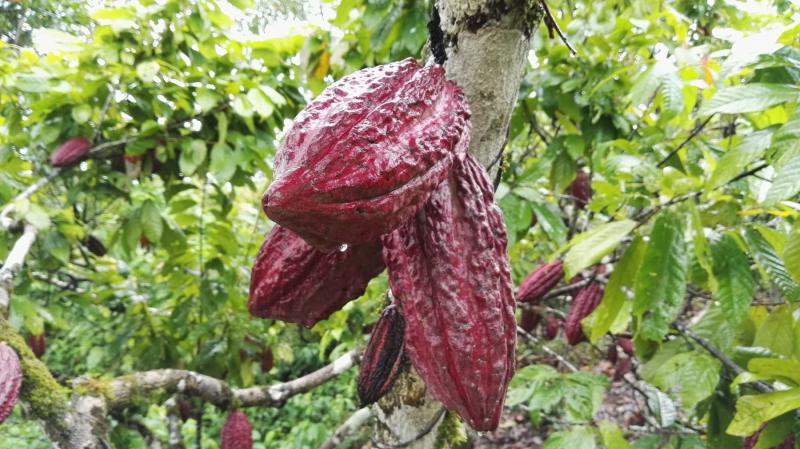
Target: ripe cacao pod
x,y
10,380
364,156
448,267
551,327
529,319
383,357
267,360
584,303
581,189
622,367
626,344
94,245
70,152
38,344
540,282
292,281
612,355
237,432
184,410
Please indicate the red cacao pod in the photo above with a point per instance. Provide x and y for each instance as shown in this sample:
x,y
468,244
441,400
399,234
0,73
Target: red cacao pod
x,y
292,281
622,367
10,380
94,245
184,410
612,355
237,432
38,344
626,344
529,319
540,282
581,189
448,267
70,152
267,360
364,156
383,357
552,325
584,303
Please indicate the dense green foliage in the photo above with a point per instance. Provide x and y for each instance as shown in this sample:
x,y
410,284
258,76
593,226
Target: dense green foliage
x,y
670,105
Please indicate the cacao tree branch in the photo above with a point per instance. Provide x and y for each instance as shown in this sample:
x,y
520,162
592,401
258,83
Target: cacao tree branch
x,y
351,425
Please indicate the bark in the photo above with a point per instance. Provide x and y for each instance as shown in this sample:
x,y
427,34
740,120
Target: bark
x,y
485,43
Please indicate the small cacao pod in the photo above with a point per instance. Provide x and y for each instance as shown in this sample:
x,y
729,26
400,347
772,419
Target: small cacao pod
x,y
292,281
622,367
364,156
581,189
94,245
70,152
383,357
626,344
267,360
751,441
237,432
540,282
38,344
552,325
449,270
184,410
10,380
529,319
612,355
584,303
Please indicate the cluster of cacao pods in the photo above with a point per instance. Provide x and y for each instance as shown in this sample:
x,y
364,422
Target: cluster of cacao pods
x,y
71,152
375,173
10,380
237,433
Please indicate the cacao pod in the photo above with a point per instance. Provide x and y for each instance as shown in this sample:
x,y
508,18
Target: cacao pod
x,y
581,189
38,344
237,432
70,152
540,282
267,360
383,357
751,441
184,410
612,355
622,367
529,319
364,156
626,344
94,245
584,303
10,380
551,327
448,267
790,442
292,281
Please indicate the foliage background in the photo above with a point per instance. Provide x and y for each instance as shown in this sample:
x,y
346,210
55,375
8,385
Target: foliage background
x,y
665,105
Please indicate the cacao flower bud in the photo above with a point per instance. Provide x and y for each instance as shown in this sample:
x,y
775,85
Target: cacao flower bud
x,y
94,245
540,282
292,281
622,368
612,355
237,432
581,189
364,156
267,360
529,319
551,327
70,152
449,270
626,344
38,344
10,380
383,357
584,303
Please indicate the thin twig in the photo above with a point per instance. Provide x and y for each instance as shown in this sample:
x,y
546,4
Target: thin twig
x,y
688,139
352,424
546,349
552,25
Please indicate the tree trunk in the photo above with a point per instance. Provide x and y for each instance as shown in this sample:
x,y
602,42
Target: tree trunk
x,y
486,44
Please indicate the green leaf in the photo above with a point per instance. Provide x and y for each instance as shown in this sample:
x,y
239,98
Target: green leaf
x,y
783,370
690,376
223,162
207,99
612,436
660,285
735,285
702,250
260,102
590,247
552,224
766,258
754,410
151,222
671,93
791,255
579,437
777,332
81,113
563,171
753,97
616,296
147,71
735,161
785,183
193,154
273,95
242,106
517,214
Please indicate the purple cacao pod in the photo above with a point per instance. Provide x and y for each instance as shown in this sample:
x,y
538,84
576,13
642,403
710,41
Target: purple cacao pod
x,y
540,282
10,380
364,156
626,344
449,270
612,355
38,344
383,357
581,189
292,281
237,433
584,303
552,325
529,319
70,152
